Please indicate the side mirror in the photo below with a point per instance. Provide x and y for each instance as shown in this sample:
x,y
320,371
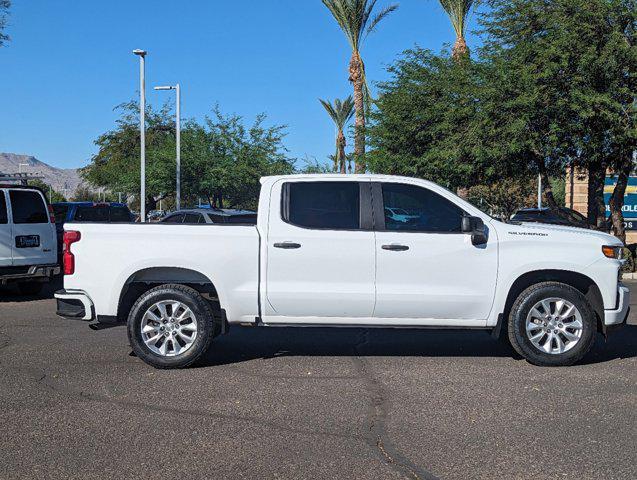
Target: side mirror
x,y
475,226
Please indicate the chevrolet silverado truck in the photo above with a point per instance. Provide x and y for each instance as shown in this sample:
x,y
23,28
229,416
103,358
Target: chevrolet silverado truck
x,y
330,250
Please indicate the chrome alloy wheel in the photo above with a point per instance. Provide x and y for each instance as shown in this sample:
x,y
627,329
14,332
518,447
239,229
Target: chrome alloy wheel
x,y
554,325
169,328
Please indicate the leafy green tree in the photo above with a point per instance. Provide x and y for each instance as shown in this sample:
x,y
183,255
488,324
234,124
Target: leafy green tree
x,y
314,166
4,11
458,11
222,159
562,89
425,123
85,194
225,159
51,194
357,20
341,113
504,197
116,165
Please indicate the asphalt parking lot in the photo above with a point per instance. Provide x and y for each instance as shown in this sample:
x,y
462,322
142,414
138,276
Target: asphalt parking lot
x,y
308,404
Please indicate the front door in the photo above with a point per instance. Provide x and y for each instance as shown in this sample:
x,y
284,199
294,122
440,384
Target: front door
x,y
34,239
427,268
6,240
320,252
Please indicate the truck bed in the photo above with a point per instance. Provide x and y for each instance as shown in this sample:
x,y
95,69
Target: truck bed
x,y
110,255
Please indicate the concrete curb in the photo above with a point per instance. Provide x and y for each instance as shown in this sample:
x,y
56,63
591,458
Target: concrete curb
x,y
629,276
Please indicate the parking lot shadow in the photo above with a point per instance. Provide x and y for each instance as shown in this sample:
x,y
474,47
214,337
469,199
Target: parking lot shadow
x,y
10,293
244,344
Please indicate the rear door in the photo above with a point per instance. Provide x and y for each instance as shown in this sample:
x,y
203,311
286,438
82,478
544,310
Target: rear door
x,y
33,233
320,252
6,239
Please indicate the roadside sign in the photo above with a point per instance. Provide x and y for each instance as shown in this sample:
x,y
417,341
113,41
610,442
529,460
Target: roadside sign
x,y
630,200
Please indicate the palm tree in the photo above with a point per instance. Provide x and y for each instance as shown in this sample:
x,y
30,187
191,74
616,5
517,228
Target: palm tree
x,y
458,11
356,19
341,113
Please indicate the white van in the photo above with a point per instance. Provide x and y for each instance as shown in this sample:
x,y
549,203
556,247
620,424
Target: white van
x,y
28,245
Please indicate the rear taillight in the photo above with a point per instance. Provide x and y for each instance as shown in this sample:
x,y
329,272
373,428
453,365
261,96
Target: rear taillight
x,y
51,214
68,260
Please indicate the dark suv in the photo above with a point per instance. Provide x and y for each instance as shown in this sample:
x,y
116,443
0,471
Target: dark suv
x,y
89,212
561,216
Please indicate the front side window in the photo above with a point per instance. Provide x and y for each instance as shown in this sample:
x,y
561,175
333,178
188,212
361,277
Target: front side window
x,y
416,209
28,207
323,205
3,209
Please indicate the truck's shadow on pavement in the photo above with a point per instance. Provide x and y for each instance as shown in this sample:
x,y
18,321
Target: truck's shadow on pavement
x,y
245,344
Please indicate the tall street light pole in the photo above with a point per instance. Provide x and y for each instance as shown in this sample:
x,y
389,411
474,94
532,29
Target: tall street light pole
x,y
178,130
142,130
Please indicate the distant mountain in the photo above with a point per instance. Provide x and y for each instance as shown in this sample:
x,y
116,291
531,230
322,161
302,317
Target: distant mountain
x,y
64,180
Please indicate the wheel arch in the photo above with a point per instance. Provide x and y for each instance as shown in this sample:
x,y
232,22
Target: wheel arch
x,y
145,279
579,281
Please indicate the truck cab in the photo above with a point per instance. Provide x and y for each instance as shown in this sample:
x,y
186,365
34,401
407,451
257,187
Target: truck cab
x,y
28,248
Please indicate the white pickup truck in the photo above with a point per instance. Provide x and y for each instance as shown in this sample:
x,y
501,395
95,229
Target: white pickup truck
x,y
331,250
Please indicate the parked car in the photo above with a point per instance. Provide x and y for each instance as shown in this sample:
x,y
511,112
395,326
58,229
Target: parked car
x,y
324,252
28,250
94,212
562,216
155,215
207,215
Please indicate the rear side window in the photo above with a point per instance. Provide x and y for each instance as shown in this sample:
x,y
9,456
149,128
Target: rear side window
x,y
60,212
250,219
322,205
3,209
28,207
91,214
216,218
120,214
192,218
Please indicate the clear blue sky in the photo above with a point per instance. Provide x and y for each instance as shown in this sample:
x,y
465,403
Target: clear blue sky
x,y
69,63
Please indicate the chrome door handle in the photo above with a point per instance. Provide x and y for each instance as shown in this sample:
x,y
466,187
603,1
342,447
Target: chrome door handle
x,y
287,245
395,248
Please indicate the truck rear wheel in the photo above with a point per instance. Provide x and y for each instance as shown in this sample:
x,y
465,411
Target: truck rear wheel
x,y
170,326
552,324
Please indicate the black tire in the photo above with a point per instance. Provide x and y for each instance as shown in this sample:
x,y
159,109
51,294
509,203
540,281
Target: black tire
x,y
205,325
30,288
517,324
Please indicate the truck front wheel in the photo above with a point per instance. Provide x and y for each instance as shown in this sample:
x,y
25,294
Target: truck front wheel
x,y
552,324
170,326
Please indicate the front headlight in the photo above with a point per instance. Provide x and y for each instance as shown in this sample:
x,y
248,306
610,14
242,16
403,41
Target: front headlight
x,y
613,252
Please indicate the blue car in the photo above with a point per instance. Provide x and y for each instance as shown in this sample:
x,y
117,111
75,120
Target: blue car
x,y
89,212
